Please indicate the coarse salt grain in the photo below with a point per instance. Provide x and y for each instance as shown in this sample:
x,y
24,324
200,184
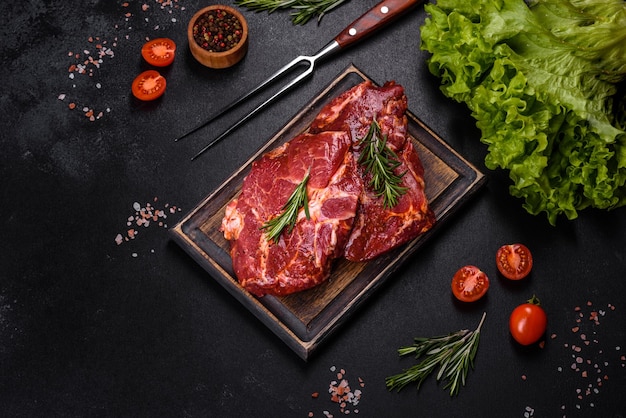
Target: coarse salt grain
x,y
583,359
529,412
342,394
144,216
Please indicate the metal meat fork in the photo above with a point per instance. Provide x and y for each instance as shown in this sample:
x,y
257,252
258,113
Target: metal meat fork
x,y
372,20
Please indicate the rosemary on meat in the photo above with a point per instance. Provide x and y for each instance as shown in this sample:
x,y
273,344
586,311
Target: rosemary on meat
x,y
453,354
287,219
302,10
381,162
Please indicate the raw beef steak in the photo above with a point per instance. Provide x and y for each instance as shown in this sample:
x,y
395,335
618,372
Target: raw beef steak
x,y
302,258
378,229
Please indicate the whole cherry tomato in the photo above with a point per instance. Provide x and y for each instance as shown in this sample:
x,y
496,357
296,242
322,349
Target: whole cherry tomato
x,y
469,284
514,261
528,322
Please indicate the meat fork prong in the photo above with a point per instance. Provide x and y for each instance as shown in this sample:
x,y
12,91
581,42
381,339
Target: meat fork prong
x,y
254,111
308,60
246,96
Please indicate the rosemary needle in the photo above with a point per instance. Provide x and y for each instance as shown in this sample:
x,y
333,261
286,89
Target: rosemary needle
x,y
381,161
453,354
302,10
274,227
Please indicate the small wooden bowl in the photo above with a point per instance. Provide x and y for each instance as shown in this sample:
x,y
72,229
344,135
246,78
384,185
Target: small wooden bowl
x,y
222,59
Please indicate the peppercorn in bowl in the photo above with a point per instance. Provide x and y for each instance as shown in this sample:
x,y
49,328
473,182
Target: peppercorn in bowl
x,y
218,36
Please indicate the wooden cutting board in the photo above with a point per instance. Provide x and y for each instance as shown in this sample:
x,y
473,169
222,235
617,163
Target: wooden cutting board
x,y
305,319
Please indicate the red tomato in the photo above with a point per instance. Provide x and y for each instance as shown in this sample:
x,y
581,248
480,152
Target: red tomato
x,y
159,52
528,322
514,261
149,85
469,284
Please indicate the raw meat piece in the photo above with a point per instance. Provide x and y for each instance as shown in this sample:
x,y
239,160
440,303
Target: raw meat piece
x,y
378,229
347,218
301,259
354,110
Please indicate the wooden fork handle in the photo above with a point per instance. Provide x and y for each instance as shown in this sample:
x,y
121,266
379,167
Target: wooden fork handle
x,y
372,20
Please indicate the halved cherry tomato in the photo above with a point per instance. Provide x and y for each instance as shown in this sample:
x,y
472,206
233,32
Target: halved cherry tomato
x,y
514,261
528,322
159,52
469,284
149,85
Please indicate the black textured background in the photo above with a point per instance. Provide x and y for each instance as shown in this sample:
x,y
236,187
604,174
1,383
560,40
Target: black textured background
x,y
92,328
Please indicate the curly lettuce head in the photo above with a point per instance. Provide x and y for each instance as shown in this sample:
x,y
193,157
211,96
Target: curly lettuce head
x,y
541,81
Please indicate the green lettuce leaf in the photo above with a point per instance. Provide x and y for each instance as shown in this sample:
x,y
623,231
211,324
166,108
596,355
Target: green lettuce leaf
x,y
543,83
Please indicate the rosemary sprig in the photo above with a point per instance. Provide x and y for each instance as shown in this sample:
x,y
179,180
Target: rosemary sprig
x,y
274,227
302,10
381,161
453,354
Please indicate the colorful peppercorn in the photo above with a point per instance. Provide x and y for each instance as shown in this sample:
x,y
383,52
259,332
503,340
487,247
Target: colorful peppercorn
x,y
217,30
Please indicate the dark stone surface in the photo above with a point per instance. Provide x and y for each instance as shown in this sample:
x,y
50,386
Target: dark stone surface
x,y
92,328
